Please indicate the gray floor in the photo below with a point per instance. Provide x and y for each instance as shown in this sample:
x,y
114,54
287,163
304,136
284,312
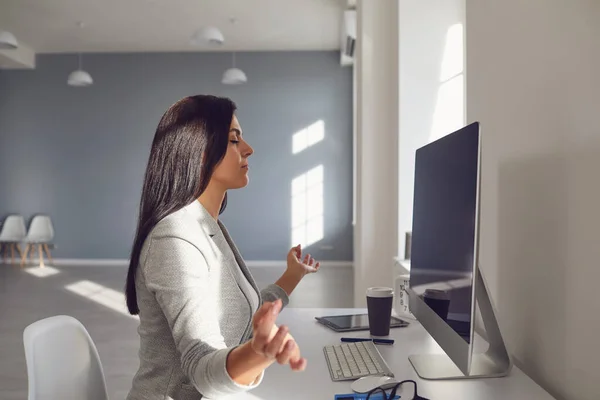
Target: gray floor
x,y
26,298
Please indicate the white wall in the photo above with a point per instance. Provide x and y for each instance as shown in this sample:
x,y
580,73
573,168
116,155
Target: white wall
x,y
430,58
534,82
376,147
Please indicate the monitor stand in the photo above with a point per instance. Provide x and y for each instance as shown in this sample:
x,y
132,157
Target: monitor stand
x,y
495,362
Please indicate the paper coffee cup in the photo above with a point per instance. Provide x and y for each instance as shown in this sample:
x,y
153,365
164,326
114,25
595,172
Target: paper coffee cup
x,y
379,306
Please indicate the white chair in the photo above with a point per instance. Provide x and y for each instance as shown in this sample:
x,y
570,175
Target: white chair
x,y
13,233
62,361
41,233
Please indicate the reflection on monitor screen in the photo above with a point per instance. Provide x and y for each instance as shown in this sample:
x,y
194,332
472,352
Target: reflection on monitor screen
x,y
444,227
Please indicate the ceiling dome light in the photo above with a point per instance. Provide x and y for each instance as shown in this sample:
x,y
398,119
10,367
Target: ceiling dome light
x,y
208,34
234,76
80,78
8,41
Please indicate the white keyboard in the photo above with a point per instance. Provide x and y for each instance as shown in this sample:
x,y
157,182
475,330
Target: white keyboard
x,y
349,361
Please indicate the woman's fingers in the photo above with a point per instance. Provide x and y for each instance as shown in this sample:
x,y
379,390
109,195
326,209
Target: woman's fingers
x,y
298,365
263,323
296,252
288,351
308,260
261,312
276,343
277,346
292,253
260,341
265,317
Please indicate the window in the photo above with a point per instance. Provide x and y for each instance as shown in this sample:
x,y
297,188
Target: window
x,y
449,113
307,207
308,136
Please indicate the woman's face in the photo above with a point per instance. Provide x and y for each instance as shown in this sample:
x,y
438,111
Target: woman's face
x,y
232,171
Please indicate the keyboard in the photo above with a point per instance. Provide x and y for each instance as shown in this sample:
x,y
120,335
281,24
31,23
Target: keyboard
x,y
350,361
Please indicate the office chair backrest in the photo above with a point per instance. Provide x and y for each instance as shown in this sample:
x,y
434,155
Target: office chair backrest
x,y
62,361
40,229
13,229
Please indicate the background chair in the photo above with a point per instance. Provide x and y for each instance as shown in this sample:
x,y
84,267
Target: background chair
x,y
12,233
41,234
62,361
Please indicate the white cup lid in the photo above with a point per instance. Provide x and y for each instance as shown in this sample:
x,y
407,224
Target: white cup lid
x,y
380,292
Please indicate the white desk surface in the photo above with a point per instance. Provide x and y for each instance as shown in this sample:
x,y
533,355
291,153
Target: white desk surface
x,y
315,382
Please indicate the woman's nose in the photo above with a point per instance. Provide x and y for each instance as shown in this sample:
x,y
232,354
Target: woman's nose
x,y
249,151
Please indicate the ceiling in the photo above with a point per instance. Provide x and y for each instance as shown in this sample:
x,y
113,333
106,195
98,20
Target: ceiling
x,y
51,26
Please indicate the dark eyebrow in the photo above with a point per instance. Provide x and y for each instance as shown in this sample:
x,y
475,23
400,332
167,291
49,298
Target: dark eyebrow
x,y
236,130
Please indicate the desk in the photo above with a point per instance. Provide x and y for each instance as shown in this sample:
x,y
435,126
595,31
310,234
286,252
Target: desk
x,y
315,382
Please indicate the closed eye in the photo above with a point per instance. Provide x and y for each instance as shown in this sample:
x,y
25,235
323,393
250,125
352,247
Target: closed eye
x,y
238,133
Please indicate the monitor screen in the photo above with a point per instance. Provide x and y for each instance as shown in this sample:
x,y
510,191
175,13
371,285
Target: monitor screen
x,y
444,226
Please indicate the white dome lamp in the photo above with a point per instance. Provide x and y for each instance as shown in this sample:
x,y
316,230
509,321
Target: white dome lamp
x,y
234,76
208,34
8,41
79,77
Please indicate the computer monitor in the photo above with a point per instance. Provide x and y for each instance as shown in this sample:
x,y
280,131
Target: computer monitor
x,y
445,281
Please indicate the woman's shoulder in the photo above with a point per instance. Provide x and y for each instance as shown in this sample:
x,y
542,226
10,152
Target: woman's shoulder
x,y
177,230
178,224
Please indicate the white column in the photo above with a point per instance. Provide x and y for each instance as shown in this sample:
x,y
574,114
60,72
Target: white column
x,y
376,145
431,86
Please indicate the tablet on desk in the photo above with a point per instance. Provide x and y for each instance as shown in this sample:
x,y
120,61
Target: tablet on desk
x,y
355,322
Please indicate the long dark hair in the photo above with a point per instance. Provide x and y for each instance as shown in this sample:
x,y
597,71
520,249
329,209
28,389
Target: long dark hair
x,y
190,140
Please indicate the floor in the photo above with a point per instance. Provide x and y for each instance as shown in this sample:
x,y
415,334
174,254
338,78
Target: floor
x,y
93,295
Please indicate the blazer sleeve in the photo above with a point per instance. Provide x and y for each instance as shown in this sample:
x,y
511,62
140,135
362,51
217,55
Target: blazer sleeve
x,y
176,272
274,292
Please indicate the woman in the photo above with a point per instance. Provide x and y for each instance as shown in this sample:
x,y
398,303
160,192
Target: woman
x,y
186,279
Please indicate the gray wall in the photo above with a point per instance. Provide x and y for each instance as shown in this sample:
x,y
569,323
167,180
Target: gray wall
x,y
79,154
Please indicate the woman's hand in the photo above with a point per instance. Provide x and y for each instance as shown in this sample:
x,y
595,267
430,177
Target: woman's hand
x,y
297,268
275,343
298,265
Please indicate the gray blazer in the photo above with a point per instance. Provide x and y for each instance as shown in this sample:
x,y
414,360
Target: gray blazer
x,y
196,299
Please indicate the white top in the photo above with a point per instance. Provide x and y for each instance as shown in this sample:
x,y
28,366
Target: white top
x,y
315,382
